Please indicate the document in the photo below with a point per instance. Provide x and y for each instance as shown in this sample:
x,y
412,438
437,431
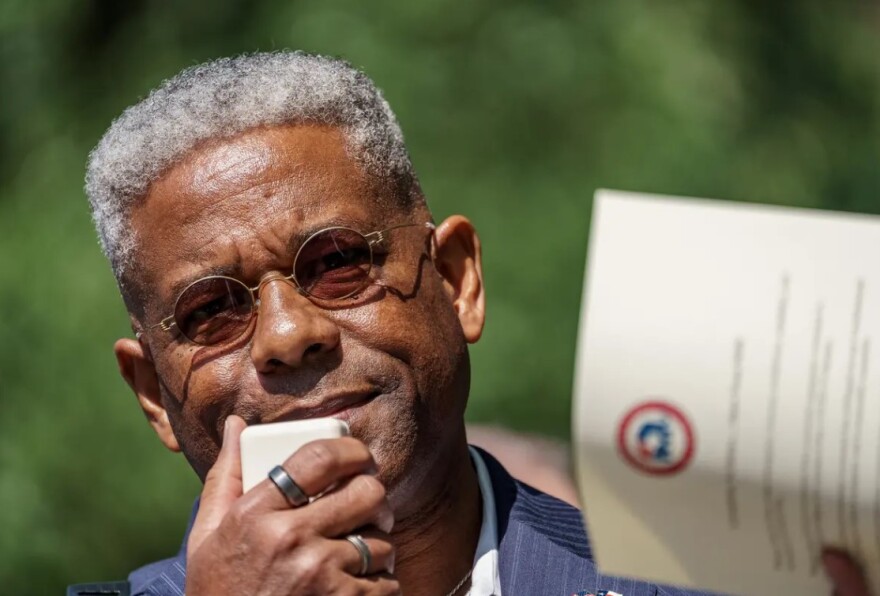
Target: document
x,y
727,393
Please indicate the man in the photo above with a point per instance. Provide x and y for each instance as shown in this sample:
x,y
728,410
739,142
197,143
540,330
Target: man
x,y
278,261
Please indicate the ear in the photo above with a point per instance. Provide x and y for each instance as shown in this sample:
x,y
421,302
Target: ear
x,y
138,370
457,258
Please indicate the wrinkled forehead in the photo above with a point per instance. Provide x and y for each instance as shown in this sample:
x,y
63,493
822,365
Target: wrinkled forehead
x,y
236,201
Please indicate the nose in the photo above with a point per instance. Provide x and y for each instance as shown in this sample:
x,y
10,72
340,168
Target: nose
x,y
290,330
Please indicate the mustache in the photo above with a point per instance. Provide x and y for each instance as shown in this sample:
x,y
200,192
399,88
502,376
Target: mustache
x,y
333,392
308,378
309,385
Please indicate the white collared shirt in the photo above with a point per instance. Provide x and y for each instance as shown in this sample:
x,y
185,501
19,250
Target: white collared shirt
x,y
485,578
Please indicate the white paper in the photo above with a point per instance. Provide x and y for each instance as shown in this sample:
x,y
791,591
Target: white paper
x,y
756,330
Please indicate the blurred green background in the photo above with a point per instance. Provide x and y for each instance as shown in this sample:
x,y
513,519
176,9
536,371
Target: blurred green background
x,y
514,111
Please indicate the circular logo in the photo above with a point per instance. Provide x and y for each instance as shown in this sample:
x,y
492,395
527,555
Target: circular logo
x,y
655,437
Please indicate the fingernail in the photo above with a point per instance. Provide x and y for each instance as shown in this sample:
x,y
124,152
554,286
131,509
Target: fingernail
x,y
226,431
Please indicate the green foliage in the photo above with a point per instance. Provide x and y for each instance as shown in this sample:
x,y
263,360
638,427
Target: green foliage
x,y
515,112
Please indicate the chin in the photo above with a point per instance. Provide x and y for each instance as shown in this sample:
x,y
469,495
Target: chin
x,y
413,472
200,462
200,451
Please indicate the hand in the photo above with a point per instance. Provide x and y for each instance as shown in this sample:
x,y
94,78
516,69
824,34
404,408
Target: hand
x,y
258,544
847,577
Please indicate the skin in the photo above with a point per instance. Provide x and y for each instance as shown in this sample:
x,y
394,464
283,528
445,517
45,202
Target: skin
x,y
396,356
240,206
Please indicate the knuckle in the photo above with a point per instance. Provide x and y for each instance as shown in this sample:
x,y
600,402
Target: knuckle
x,y
270,535
237,516
214,475
368,488
361,450
303,572
357,453
294,537
357,590
310,565
318,457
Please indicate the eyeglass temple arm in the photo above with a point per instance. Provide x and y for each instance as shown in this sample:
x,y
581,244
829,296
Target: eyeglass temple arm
x,y
379,235
166,324
374,238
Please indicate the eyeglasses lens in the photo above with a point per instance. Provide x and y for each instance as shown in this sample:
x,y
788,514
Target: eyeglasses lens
x,y
334,264
214,310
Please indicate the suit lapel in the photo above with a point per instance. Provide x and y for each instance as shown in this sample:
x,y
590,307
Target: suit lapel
x,y
543,546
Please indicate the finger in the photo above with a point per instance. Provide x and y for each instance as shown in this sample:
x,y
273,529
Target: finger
x,y
356,502
380,584
846,575
381,549
222,484
315,467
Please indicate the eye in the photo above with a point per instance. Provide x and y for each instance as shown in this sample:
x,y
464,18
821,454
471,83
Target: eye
x,y
213,309
334,263
341,257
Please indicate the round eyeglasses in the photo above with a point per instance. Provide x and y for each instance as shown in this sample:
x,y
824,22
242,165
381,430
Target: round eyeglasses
x,y
331,265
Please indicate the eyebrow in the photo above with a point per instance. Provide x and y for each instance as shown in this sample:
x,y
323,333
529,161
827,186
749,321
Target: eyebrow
x,y
221,270
291,246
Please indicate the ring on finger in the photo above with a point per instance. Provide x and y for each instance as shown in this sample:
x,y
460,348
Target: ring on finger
x,y
366,558
290,489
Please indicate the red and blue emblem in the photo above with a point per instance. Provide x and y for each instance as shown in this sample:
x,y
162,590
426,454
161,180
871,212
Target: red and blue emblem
x,y
655,437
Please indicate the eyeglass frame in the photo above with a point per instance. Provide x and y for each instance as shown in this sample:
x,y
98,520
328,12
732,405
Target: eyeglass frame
x,y
373,238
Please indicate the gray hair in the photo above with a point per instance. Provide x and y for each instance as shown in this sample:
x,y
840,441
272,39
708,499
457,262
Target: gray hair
x,y
223,98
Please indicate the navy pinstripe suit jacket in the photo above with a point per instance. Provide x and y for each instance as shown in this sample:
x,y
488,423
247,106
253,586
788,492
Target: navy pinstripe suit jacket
x,y
543,550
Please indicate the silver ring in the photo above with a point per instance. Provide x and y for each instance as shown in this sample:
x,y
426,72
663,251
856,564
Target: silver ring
x,y
366,558
290,489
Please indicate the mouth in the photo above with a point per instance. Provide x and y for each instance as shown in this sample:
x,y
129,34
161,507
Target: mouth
x,y
338,405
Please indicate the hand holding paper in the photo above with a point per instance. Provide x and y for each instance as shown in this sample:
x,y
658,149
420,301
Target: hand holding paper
x,y
728,393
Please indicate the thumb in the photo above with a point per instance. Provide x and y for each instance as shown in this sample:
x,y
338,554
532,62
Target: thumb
x,y
846,576
222,485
